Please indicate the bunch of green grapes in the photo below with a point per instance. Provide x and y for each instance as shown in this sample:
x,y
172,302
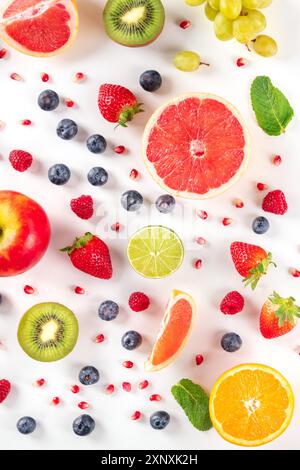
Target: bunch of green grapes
x,y
242,20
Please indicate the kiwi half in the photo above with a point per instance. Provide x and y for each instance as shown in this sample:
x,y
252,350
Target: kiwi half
x,y
134,23
48,332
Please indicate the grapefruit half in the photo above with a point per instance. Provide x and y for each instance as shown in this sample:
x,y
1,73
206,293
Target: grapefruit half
x,y
40,28
174,332
196,145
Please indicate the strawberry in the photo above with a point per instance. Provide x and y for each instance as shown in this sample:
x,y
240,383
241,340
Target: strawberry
x,y
117,104
83,207
90,255
275,202
278,316
250,261
4,389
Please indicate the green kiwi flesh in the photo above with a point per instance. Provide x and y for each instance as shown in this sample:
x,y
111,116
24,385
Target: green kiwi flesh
x,y
48,332
133,22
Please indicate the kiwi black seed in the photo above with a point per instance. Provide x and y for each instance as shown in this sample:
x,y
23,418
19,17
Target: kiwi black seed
x,y
134,23
48,332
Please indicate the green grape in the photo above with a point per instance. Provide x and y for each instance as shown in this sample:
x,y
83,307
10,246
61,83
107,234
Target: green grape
x,y
223,28
265,46
257,19
230,8
215,4
210,12
253,4
194,3
187,61
242,29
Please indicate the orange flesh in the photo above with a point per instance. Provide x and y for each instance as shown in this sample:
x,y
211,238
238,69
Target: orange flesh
x,y
174,334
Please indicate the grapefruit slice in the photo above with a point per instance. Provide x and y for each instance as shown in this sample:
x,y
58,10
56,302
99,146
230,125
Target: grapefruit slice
x,y
174,332
251,404
39,28
196,146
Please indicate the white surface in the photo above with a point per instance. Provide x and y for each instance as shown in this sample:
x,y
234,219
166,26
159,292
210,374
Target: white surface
x,y
54,277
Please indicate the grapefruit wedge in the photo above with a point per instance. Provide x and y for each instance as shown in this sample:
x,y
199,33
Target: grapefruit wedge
x,y
196,146
174,332
40,28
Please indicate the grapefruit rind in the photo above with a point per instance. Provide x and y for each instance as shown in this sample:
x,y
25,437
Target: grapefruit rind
x,y
186,194
289,411
73,25
175,296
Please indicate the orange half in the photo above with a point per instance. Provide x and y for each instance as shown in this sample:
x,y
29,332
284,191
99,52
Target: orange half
x,y
251,404
174,332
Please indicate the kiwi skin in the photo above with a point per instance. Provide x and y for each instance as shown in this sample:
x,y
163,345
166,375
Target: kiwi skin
x,y
39,315
106,19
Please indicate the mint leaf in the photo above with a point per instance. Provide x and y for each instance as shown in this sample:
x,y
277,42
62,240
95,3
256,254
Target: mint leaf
x,y
272,109
194,402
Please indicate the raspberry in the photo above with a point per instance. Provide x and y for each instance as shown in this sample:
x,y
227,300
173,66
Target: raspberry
x,y
83,207
20,160
4,389
232,303
275,202
138,301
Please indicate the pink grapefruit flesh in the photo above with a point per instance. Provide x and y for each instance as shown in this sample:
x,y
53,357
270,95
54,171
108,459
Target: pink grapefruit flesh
x,y
39,27
196,146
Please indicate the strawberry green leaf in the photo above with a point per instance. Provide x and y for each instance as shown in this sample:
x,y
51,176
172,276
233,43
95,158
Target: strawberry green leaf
x,y
258,271
287,309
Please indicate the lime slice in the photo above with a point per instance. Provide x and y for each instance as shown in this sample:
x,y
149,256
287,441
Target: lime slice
x,y
155,251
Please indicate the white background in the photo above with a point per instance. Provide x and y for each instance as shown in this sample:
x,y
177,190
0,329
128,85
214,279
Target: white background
x,y
54,277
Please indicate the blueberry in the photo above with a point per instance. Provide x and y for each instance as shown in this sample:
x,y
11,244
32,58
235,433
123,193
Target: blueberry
x,y
48,100
96,143
132,200
260,225
0,299
231,342
89,375
131,340
108,310
159,419
97,176
26,425
165,203
59,174
67,129
83,425
150,80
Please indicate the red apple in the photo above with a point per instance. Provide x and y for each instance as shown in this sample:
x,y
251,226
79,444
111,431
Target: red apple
x,y
24,233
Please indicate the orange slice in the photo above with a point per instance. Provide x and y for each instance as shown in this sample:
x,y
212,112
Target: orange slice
x,y
251,405
174,332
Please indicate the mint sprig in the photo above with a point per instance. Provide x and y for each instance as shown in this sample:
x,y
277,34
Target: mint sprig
x,y
272,109
194,402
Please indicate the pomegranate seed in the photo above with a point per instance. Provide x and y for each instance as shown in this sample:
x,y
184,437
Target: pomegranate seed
x,y
227,221
262,186
26,122
99,338
29,290
45,77
16,77
3,53
136,415
239,203
75,389
128,364
277,160
199,359
116,227
198,264
241,62
83,405
56,401
143,384
79,77
119,149
126,386
295,272
69,103
184,24
200,241
202,214
155,397
79,290
134,174
40,382
110,389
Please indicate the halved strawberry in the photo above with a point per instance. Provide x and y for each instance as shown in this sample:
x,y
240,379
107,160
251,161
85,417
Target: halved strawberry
x,y
278,316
